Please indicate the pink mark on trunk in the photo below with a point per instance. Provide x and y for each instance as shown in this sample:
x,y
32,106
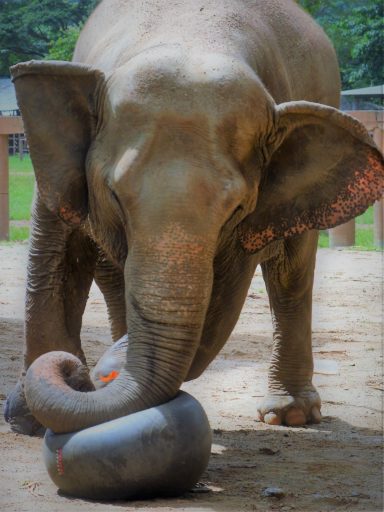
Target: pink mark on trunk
x,y
69,215
59,461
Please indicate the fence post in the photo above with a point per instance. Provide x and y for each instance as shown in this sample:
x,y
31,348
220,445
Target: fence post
x,y
378,209
378,225
342,236
8,125
4,194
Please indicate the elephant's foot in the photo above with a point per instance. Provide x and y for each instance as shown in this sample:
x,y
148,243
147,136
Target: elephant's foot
x,y
19,417
293,410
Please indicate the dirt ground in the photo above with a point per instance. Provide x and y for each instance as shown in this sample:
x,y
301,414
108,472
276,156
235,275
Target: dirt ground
x,y
336,465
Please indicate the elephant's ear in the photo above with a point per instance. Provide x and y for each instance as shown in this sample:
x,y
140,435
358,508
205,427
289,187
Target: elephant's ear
x,y
57,101
324,169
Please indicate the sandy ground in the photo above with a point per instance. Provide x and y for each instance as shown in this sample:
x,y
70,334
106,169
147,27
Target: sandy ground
x,y
336,465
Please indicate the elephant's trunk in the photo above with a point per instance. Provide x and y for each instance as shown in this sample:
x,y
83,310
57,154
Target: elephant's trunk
x,y
168,285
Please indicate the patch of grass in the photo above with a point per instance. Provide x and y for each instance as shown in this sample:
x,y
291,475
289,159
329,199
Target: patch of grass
x,y
17,165
366,218
20,196
18,234
323,240
364,240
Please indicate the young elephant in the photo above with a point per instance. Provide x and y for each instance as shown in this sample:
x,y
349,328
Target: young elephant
x,y
182,147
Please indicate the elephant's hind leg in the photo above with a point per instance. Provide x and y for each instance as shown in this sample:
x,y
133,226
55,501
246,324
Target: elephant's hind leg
x,y
291,398
61,267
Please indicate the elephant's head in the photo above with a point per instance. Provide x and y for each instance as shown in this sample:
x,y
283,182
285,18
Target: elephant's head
x,y
169,159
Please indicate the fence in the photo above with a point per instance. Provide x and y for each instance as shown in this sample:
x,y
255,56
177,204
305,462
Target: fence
x,y
8,126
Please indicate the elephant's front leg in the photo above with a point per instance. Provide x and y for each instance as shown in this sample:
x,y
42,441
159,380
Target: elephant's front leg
x,y
291,398
60,271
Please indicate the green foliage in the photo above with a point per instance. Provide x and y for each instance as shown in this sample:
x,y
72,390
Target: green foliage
x,y
39,29
356,29
29,28
364,65
63,47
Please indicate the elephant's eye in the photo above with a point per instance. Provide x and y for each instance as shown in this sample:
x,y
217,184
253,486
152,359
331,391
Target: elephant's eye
x,y
114,195
118,204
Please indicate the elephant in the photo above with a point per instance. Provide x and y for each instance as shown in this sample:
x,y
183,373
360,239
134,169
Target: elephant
x,y
184,145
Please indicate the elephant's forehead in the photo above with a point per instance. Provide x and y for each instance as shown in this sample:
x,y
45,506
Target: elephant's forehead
x,y
167,78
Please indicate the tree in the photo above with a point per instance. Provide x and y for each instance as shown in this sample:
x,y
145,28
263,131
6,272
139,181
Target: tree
x,y
356,29
364,63
38,29
62,48
28,28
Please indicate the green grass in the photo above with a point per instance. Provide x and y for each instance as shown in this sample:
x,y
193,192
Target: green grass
x,y
366,218
17,165
323,240
364,240
20,196
21,184
18,234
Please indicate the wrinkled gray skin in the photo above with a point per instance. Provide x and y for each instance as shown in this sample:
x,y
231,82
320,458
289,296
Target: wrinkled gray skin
x,y
171,165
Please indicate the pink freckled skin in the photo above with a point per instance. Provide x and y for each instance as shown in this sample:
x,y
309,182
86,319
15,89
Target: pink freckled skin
x,y
365,188
70,216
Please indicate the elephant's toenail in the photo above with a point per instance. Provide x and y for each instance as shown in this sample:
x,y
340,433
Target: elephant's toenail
x,y
272,419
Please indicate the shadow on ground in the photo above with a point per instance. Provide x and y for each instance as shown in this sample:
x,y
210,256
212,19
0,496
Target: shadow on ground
x,y
338,463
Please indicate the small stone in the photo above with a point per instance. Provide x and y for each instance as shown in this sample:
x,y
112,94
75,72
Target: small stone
x,y
273,492
200,488
356,494
268,451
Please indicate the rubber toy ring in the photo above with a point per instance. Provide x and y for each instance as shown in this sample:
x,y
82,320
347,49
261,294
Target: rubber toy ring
x,y
161,451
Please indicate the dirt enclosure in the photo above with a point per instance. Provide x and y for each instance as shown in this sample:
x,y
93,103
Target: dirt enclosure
x,y
336,465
